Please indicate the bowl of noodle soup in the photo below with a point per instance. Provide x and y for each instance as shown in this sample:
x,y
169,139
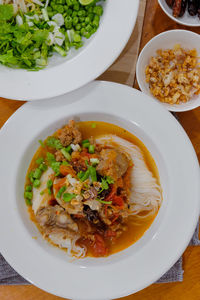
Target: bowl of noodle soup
x,y
138,148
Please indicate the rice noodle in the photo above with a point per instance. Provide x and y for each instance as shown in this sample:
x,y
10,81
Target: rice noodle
x,y
68,243
146,195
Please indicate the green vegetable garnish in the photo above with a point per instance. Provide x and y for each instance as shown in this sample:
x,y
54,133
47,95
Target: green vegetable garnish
x,y
56,167
91,149
85,141
28,202
86,145
42,193
28,195
50,158
43,167
67,197
49,186
6,12
36,183
42,143
37,173
104,184
109,180
104,202
85,176
93,173
28,188
68,149
49,183
80,174
39,160
61,191
53,142
66,154
27,43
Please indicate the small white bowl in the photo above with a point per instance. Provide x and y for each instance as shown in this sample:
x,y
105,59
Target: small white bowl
x,y
186,19
167,40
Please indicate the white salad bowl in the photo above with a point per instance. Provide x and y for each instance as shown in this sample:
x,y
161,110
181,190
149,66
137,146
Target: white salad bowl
x,y
167,40
186,19
81,66
149,258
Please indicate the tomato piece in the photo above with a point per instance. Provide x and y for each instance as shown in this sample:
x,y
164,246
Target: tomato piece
x,y
59,184
98,246
109,233
65,170
118,201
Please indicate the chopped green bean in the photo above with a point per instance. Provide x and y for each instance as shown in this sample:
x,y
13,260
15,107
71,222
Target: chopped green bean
x,y
36,183
91,149
67,197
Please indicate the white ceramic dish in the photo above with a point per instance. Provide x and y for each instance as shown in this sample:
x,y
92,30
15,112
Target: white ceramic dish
x,y
186,19
80,67
167,40
148,259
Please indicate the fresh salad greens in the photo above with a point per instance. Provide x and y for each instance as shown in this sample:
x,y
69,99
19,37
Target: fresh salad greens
x,y
28,38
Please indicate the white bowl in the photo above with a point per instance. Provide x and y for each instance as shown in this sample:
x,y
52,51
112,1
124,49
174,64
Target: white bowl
x,y
148,259
167,40
186,19
79,67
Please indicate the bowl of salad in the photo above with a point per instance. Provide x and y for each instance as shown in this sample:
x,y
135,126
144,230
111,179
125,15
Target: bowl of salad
x,y
50,47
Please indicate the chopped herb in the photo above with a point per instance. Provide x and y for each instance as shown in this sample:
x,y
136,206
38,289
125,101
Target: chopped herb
x,y
67,197
28,202
50,158
42,143
39,160
28,195
28,188
86,145
36,183
68,149
104,202
80,174
53,142
6,12
85,141
87,164
109,180
43,167
66,154
93,173
42,193
85,176
61,191
56,167
49,183
104,184
37,173
91,149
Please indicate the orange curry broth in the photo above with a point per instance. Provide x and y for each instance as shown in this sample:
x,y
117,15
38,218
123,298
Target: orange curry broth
x,y
135,227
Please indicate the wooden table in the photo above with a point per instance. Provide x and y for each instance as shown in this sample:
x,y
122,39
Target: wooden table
x,y
155,22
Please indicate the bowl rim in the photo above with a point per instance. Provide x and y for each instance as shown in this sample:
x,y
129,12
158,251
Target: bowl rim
x,y
178,244
67,76
177,20
174,108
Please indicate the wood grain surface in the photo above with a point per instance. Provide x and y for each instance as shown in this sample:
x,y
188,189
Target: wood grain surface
x,y
155,22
